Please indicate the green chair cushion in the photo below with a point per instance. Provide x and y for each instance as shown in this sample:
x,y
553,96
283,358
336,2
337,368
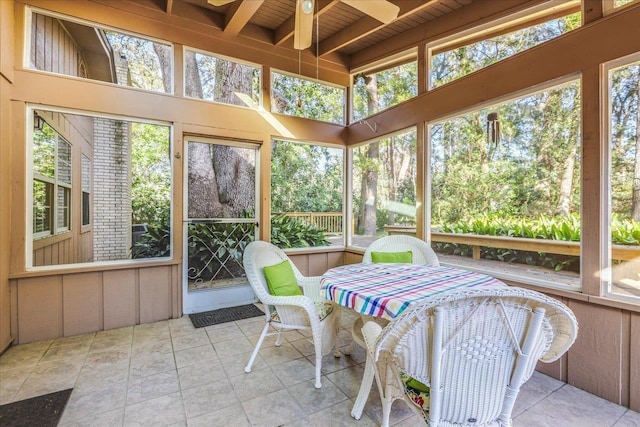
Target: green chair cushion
x,y
392,257
281,280
416,391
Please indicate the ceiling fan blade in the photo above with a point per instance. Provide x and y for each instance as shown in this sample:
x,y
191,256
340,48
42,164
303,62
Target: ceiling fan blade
x,y
303,29
219,2
382,10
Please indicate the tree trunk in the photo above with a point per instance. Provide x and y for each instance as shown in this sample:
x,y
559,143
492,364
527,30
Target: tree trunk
x,y
203,197
231,78
393,183
566,184
234,167
370,192
221,178
235,177
370,174
192,83
164,57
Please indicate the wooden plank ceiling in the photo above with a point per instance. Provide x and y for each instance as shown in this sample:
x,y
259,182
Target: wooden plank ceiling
x,y
338,28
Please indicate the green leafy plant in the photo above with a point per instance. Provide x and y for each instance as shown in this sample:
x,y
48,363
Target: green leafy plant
x,y
566,228
288,232
215,250
154,243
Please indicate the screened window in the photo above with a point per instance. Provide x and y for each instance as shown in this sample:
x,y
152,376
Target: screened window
x,y
623,269
310,99
384,188
42,208
86,190
64,46
129,161
450,64
221,80
51,181
306,195
620,3
378,90
511,171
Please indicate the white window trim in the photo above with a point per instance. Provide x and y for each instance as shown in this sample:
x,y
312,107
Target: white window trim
x,y
605,226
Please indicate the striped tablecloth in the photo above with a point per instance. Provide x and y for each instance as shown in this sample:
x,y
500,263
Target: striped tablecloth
x,y
386,290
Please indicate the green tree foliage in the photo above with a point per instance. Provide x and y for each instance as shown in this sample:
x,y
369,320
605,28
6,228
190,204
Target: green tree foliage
x,y
453,64
306,178
624,140
150,174
141,55
394,85
307,98
519,175
395,166
44,151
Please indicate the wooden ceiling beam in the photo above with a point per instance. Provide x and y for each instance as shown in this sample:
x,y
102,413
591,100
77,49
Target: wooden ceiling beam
x,y
368,25
285,31
169,6
469,16
198,14
238,15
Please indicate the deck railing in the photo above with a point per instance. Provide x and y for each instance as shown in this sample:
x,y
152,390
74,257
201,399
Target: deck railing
x,y
476,241
330,222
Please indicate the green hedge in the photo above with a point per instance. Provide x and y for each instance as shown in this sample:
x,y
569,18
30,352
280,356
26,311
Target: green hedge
x,y
567,228
623,232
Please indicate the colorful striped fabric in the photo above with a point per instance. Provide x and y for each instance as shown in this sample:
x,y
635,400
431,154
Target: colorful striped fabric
x,y
386,290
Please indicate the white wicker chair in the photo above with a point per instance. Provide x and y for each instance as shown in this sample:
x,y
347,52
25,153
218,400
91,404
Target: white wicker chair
x,y
474,349
290,312
422,253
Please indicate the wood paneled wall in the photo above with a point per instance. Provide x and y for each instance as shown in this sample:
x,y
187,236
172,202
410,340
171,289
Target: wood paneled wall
x,y
52,49
66,304
53,251
6,78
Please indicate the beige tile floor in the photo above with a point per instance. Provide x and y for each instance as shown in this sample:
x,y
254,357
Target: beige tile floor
x,y
170,374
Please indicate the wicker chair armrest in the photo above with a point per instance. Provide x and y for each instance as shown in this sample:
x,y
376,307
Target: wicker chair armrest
x,y
294,300
311,287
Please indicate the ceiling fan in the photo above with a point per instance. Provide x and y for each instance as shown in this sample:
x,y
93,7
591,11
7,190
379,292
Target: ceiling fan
x,y
382,10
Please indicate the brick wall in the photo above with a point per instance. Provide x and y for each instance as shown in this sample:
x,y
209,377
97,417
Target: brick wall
x,y
123,76
112,190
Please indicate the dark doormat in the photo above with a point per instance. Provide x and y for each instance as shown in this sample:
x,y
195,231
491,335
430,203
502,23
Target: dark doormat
x,y
224,315
40,411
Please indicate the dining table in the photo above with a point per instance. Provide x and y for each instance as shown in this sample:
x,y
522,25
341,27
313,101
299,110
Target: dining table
x,y
382,291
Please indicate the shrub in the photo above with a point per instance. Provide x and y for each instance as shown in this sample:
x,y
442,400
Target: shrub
x,y
288,232
623,231
154,243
